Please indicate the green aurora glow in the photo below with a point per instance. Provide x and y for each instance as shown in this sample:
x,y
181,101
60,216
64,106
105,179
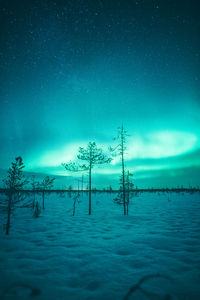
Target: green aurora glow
x,y
75,72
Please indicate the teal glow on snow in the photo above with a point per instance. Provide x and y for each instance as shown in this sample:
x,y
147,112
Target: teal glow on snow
x,y
101,256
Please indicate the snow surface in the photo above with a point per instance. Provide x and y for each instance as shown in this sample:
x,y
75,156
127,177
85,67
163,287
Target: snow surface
x,y
103,255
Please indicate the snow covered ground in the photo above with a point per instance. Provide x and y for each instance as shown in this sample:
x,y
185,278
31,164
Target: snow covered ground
x,y
103,255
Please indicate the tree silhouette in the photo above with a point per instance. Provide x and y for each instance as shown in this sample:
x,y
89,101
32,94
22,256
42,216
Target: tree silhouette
x,y
129,189
120,150
14,182
46,184
92,156
128,183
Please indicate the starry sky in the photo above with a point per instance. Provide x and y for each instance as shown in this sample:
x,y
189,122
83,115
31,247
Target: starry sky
x,y
73,71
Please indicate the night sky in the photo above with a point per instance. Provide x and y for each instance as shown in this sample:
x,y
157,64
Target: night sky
x,y
73,71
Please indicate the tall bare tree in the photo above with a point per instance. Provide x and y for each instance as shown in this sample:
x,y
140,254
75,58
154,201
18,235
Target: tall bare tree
x,y
92,156
120,149
14,182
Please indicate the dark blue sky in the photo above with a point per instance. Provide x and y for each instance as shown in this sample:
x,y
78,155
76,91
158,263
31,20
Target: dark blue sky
x,y
73,71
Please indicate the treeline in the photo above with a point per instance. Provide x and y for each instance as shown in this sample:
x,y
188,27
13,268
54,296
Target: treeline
x,y
108,190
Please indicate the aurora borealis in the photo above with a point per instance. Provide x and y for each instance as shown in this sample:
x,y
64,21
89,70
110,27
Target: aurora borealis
x,y
73,71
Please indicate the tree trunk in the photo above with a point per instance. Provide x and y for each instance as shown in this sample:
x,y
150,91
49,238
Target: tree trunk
x,y
90,189
127,192
82,184
123,184
43,199
9,212
123,172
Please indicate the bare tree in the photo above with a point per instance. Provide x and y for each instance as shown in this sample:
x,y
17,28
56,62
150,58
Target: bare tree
x,y
129,192
46,184
120,150
92,156
14,182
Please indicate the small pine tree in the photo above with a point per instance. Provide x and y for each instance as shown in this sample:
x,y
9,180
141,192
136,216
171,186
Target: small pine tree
x,y
92,156
47,183
14,182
